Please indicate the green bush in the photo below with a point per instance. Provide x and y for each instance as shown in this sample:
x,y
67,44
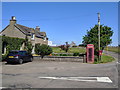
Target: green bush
x,y
11,43
76,54
95,58
28,46
43,50
4,57
74,46
63,55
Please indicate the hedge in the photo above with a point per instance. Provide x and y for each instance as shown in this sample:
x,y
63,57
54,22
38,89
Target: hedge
x,y
12,43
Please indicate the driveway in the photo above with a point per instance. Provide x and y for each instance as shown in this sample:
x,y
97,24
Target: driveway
x,y
50,74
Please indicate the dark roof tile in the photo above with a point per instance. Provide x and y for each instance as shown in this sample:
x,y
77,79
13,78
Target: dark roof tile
x,y
25,29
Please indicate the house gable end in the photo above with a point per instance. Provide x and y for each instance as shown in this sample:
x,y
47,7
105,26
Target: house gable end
x,y
12,31
4,29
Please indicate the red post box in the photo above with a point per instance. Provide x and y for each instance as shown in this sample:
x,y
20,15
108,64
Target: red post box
x,y
90,53
100,52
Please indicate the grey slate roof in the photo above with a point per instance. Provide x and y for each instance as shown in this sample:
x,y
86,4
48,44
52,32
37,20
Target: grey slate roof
x,y
29,31
24,29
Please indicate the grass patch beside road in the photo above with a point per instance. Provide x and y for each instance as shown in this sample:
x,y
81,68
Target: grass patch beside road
x,y
105,59
113,49
71,50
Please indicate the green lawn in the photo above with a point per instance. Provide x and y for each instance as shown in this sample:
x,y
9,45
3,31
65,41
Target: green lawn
x,y
113,49
105,59
71,50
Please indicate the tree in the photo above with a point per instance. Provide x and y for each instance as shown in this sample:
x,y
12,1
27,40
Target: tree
x,y
65,47
43,50
28,46
92,37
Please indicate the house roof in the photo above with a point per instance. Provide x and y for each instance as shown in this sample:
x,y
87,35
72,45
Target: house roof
x,y
28,31
24,29
38,34
43,33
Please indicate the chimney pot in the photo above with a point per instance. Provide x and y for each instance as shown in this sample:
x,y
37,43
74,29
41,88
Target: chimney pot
x,y
13,18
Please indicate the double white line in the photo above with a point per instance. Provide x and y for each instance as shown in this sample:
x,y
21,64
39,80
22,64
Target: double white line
x,y
87,79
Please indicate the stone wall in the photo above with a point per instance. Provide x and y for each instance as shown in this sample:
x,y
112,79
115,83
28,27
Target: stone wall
x,y
59,58
41,41
12,31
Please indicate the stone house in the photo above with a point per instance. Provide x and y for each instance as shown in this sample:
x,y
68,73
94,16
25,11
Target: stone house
x,y
16,30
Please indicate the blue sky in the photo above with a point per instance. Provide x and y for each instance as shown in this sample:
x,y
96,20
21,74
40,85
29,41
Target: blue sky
x,y
63,21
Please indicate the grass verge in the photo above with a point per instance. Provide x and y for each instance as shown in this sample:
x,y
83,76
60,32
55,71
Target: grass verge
x,y
71,50
113,49
105,59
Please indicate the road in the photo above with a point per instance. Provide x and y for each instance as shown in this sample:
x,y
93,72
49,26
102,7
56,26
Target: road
x,y
116,56
51,74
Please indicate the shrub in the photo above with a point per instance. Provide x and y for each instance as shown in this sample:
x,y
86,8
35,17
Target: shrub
x,y
95,58
12,43
43,50
65,47
64,55
74,46
76,54
28,46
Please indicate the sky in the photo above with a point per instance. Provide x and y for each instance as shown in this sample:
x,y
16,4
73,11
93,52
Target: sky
x,y
63,21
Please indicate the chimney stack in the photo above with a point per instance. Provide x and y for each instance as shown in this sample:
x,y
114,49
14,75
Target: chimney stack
x,y
13,20
37,28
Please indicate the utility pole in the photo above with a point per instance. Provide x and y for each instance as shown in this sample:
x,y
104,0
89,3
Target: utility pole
x,y
98,35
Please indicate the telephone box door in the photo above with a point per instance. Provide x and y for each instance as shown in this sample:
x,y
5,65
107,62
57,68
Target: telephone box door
x,y
90,53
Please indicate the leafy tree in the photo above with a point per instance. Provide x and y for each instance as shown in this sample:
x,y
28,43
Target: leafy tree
x,y
43,50
28,46
92,37
65,47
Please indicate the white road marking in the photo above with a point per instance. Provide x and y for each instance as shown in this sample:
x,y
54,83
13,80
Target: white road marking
x,y
2,87
87,79
104,79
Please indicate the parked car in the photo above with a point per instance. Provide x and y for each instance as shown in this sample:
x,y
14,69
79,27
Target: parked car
x,y
18,56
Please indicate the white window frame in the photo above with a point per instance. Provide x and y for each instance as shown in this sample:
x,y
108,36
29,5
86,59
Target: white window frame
x,y
33,36
44,38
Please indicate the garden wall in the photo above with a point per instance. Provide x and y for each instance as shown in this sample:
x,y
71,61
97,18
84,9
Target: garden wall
x,y
60,58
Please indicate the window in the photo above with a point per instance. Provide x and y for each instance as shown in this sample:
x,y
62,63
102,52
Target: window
x,y
44,38
23,53
32,36
90,53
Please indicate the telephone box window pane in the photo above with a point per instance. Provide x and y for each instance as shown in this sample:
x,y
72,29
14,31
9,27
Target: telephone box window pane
x,y
90,54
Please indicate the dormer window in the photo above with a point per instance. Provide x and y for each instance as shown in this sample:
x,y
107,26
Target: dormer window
x,y
32,36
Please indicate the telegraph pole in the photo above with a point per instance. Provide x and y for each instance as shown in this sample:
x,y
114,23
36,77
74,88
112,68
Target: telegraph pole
x,y
98,35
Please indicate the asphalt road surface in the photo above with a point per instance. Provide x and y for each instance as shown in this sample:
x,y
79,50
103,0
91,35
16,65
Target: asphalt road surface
x,y
50,74
116,56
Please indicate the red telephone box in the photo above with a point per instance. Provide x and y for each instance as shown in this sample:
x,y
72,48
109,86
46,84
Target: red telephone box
x,y
90,53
